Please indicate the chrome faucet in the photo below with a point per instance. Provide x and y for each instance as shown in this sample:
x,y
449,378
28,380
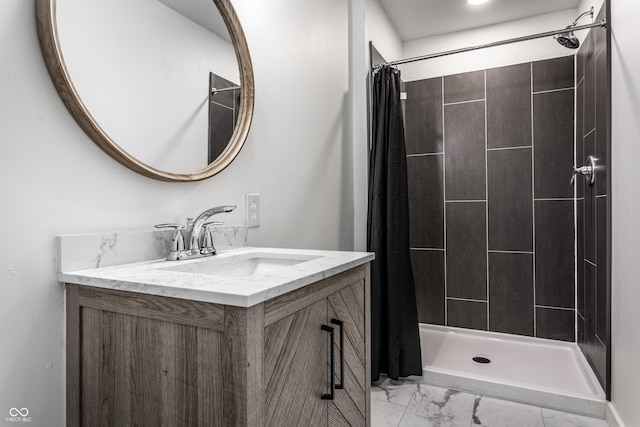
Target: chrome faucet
x,y
194,230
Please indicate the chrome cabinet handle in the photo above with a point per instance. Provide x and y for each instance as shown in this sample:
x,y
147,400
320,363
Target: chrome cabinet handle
x,y
329,396
340,323
588,170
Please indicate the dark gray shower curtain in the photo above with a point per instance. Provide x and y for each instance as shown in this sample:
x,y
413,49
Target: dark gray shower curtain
x,y
395,341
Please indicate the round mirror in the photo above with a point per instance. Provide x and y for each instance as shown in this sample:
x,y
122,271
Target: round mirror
x,y
165,87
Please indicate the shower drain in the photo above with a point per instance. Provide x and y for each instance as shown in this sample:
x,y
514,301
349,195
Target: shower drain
x,y
480,359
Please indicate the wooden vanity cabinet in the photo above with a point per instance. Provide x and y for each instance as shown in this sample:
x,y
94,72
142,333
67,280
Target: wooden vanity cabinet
x,y
145,360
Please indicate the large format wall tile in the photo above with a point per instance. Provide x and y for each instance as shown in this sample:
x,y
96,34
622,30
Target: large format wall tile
x,y
510,200
556,324
428,274
580,156
553,143
220,129
553,74
466,250
589,206
581,57
496,168
509,106
465,151
600,34
589,306
580,255
464,87
601,268
426,201
601,125
554,253
589,85
423,122
511,293
467,314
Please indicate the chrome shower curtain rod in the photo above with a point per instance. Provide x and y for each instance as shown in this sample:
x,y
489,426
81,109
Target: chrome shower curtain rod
x,y
214,90
602,23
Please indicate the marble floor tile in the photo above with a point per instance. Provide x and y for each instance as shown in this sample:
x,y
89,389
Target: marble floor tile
x,y
438,407
562,419
398,392
385,414
499,413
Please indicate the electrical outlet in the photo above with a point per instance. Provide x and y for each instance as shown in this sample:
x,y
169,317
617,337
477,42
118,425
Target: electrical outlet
x,y
253,210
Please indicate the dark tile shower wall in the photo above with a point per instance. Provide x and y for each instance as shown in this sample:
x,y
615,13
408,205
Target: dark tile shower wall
x,y
223,111
491,208
591,125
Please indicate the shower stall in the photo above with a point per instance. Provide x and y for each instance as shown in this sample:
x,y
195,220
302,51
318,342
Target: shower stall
x,y
509,223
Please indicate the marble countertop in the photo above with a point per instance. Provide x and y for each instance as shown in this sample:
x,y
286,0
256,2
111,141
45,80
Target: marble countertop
x,y
157,278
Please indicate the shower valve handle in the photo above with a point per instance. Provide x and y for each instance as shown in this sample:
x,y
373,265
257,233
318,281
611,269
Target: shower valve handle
x,y
587,170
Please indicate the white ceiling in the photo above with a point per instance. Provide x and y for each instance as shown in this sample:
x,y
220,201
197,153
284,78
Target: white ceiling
x,y
202,12
416,19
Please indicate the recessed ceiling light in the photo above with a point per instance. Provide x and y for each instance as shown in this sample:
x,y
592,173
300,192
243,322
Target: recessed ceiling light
x,y
476,2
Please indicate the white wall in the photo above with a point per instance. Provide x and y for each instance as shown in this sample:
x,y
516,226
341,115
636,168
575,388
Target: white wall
x,y
584,6
55,180
358,89
625,200
516,53
381,32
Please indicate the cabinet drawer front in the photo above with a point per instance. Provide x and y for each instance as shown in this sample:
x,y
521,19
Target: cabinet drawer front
x,y
284,305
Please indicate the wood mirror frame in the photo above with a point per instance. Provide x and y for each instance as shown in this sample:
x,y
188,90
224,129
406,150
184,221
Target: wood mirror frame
x,y
51,50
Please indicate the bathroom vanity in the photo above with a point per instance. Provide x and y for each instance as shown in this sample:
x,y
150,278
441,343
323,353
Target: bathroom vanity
x,y
249,337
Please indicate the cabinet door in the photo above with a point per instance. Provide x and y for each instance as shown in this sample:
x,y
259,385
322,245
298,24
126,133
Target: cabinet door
x,y
296,368
349,406
135,371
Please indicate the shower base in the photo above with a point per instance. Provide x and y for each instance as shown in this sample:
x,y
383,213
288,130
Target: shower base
x,y
534,371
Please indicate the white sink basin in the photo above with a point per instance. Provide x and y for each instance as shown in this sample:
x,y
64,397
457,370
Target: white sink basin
x,y
253,264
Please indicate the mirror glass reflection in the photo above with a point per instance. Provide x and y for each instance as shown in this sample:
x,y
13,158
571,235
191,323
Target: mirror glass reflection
x,y
144,68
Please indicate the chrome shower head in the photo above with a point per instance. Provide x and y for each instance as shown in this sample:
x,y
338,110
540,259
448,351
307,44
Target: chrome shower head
x,y
568,39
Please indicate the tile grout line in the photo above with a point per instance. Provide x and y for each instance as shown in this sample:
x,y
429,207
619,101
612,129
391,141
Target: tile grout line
x,y
575,197
444,205
423,154
508,148
495,251
486,196
556,199
533,207
550,307
562,89
467,299
406,407
462,102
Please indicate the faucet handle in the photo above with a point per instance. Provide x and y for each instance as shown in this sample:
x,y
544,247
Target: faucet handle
x,y
207,224
207,240
177,243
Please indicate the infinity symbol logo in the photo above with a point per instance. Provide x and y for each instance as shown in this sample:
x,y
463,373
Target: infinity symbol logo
x,y
14,412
